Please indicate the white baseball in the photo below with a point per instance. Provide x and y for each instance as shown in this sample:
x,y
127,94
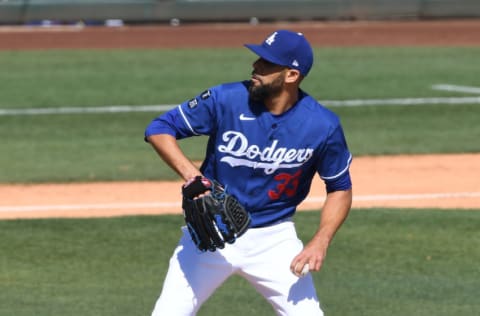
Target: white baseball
x,y
305,270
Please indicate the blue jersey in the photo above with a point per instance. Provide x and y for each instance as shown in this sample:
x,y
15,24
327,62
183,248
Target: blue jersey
x,y
266,161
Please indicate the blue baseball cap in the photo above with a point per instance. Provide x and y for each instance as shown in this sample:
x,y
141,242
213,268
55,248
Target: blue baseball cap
x,y
286,48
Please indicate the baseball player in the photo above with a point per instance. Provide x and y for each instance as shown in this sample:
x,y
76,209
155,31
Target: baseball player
x,y
267,140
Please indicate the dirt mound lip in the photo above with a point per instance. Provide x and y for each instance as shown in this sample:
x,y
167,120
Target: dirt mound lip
x,y
420,181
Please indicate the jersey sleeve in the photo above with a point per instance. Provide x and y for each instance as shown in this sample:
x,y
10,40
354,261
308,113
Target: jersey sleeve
x,y
335,160
197,116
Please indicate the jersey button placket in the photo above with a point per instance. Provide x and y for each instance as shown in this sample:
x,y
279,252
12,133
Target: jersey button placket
x,y
274,126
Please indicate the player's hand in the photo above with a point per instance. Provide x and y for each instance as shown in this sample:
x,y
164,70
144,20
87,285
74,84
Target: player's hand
x,y
196,187
312,254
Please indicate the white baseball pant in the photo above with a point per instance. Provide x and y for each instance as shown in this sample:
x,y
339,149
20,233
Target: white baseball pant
x,y
262,256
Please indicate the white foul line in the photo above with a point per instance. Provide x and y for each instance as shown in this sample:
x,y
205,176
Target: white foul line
x,y
405,101
166,107
402,197
455,88
159,205
81,207
87,110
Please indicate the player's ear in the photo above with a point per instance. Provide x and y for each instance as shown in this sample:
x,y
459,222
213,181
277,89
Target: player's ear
x,y
292,75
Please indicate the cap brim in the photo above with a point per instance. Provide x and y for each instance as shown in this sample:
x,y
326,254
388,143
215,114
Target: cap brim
x,y
263,53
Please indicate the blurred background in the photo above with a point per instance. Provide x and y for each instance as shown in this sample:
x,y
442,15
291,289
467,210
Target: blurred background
x,y
117,12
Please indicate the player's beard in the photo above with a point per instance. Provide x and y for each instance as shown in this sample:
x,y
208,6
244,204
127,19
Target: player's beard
x,y
264,91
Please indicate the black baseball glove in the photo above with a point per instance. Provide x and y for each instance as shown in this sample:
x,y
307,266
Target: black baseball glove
x,y
213,216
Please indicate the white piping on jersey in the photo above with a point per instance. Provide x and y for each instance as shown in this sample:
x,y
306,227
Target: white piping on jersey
x,y
341,172
186,121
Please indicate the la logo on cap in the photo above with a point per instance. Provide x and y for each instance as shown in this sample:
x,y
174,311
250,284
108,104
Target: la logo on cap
x,y
271,39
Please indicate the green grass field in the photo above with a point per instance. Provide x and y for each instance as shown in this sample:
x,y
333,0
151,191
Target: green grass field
x,y
94,147
90,147
382,262
139,77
